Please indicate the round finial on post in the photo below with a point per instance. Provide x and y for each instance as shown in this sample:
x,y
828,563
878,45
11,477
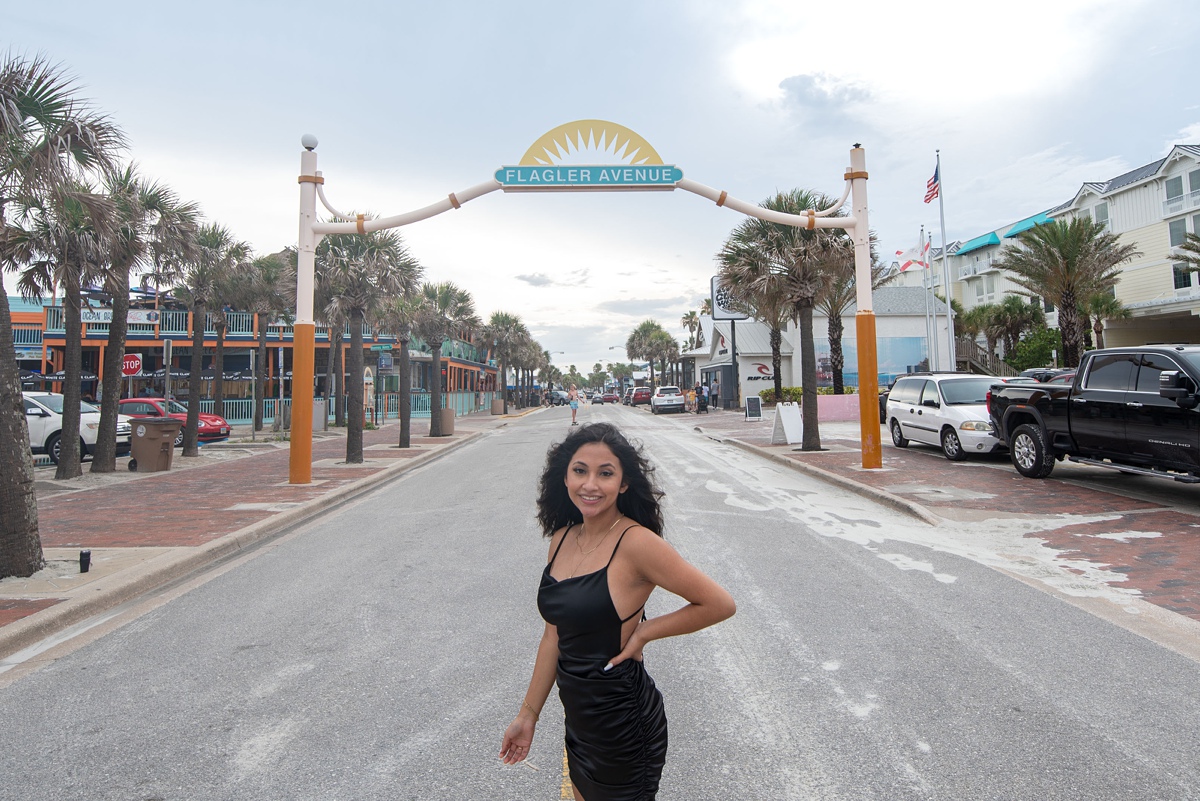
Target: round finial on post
x,y
309,141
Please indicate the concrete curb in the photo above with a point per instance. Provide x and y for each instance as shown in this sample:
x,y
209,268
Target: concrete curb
x,y
121,587
881,496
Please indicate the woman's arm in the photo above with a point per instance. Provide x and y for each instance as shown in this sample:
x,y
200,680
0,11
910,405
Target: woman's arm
x,y
519,735
661,565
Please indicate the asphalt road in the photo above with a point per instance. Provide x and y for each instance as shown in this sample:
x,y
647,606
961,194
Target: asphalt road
x,y
378,653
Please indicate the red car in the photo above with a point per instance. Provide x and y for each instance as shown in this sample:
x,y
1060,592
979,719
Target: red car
x,y
611,397
640,395
212,428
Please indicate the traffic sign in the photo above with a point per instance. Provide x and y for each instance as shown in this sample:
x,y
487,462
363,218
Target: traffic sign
x,y
381,347
131,364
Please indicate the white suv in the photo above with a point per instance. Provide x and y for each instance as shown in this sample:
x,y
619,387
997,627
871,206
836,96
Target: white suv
x,y
946,410
43,413
666,399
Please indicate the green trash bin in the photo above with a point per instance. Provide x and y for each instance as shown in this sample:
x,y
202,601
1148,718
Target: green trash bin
x,y
153,443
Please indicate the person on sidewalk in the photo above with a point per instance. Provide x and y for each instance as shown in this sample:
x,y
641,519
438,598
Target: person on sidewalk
x,y
714,396
597,491
573,399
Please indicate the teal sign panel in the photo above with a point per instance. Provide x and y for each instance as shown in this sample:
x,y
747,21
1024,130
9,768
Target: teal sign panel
x,y
590,176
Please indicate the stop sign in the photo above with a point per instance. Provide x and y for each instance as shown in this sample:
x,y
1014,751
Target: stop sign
x,y
131,364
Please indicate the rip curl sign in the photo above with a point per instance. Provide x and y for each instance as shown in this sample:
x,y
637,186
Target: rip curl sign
x,y
635,165
764,372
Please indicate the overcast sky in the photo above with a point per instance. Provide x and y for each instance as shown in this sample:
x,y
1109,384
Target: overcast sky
x,y
413,100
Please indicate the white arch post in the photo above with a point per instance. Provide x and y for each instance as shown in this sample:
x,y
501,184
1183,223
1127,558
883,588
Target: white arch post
x,y
311,231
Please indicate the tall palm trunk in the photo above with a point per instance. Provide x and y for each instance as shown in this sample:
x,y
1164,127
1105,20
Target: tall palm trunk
x,y
354,425
777,360
405,393
20,544
104,455
69,456
503,381
436,389
260,374
191,429
837,356
1068,322
811,438
218,393
339,377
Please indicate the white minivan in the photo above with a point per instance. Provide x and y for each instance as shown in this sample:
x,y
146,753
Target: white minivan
x,y
43,413
946,410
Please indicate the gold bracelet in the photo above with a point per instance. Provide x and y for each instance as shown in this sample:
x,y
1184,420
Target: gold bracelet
x,y
527,705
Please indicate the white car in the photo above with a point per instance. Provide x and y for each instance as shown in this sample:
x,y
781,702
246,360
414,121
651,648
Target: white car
x,y
43,413
946,410
666,399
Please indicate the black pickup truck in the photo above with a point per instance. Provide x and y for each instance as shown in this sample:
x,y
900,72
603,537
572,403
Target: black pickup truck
x,y
1131,409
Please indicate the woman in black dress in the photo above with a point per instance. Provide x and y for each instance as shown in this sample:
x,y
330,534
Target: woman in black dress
x,y
599,506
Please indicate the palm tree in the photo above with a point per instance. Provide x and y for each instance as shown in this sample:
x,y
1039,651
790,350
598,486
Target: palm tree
x,y
448,310
836,301
1189,251
758,291
1066,262
201,283
62,242
638,346
399,317
1102,307
506,333
691,321
263,291
154,232
706,307
365,269
48,138
803,263
1014,316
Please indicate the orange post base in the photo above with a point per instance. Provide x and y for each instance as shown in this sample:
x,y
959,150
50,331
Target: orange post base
x,y
300,457
868,390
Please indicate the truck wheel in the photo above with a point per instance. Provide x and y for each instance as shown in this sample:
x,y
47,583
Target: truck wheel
x,y
952,447
1029,453
897,435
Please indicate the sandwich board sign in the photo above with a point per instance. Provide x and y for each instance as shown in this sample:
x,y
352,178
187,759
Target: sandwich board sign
x,y
753,407
789,425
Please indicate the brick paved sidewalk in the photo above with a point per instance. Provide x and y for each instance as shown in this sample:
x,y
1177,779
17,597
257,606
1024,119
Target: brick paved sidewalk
x,y
144,530
1151,544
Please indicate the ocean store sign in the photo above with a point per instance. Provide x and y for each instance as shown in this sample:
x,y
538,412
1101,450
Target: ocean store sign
x,y
599,176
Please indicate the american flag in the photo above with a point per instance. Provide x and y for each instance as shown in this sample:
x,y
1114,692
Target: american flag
x,y
934,186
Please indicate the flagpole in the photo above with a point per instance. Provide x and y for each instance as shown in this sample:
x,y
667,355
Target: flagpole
x,y
945,270
929,339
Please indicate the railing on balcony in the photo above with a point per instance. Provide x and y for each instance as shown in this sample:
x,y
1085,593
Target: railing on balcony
x,y
55,322
240,411
24,336
1179,203
173,322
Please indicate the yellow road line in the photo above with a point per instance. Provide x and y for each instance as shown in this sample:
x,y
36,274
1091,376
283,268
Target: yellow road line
x,y
567,793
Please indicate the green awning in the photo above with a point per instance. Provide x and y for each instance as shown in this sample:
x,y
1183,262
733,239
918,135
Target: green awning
x,y
979,242
1027,223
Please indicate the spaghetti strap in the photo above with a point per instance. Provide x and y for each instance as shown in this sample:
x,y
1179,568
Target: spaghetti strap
x,y
618,545
560,544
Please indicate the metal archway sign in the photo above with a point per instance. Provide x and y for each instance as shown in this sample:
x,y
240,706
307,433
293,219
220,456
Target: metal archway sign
x,y
636,167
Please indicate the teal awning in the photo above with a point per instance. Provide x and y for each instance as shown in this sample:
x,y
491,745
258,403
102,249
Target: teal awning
x,y
979,242
1027,223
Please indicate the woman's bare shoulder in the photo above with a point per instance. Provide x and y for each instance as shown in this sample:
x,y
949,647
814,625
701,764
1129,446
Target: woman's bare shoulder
x,y
555,539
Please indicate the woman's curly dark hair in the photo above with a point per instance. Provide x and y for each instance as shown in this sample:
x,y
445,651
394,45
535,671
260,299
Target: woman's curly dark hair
x,y
639,502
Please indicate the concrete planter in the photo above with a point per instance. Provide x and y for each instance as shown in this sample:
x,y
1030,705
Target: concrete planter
x,y
498,407
447,421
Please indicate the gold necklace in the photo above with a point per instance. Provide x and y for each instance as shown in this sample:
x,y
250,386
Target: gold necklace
x,y
586,554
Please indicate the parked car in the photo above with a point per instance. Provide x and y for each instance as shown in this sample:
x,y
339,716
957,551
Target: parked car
x,y
667,399
1135,409
611,397
558,397
43,414
639,395
212,427
947,410
627,397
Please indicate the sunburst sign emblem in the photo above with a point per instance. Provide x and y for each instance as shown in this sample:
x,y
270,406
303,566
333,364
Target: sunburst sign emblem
x,y
552,163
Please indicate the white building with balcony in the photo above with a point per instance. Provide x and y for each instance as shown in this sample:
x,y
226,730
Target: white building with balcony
x,y
1152,208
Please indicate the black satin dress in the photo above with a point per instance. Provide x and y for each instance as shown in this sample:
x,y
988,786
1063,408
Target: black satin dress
x,y
615,722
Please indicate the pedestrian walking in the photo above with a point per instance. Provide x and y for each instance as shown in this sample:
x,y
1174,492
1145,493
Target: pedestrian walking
x,y
715,394
597,488
573,399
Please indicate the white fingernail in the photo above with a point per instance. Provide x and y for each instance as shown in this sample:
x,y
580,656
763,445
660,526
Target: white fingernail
x,y
608,667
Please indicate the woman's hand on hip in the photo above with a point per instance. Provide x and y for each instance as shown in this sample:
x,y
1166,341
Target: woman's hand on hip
x,y
632,650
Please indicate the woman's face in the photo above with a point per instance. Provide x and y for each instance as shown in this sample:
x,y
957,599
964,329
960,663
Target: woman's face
x,y
594,479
